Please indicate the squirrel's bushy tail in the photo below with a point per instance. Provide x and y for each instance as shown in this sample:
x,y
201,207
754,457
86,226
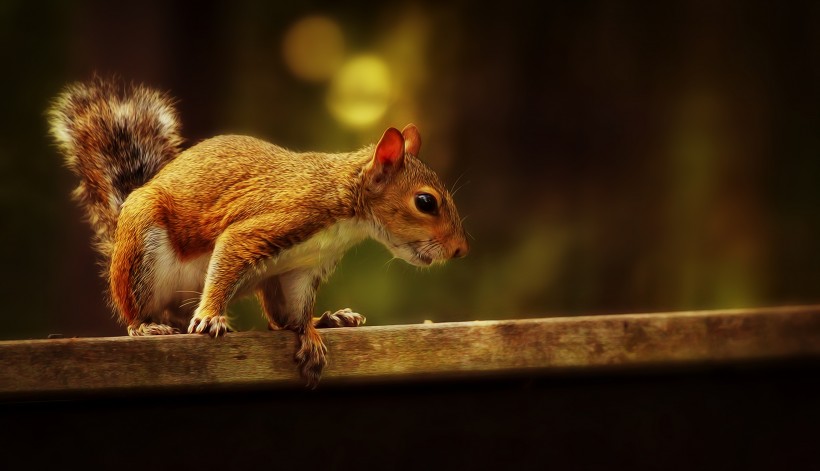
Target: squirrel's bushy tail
x,y
115,137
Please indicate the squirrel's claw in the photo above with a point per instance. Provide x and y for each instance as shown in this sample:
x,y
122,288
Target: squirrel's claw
x,y
211,325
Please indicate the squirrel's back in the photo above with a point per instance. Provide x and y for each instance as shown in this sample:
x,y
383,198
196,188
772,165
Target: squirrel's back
x,y
115,137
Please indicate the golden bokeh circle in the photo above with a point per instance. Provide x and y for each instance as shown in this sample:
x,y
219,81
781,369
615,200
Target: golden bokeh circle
x,y
313,48
361,91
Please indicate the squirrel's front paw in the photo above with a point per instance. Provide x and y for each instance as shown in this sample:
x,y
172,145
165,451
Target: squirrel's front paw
x,y
341,318
311,356
208,324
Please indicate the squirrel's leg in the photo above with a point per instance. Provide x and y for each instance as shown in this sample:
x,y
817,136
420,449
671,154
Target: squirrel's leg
x,y
273,304
288,301
228,270
130,273
269,293
236,265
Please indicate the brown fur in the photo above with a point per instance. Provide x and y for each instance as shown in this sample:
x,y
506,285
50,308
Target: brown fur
x,y
115,137
236,215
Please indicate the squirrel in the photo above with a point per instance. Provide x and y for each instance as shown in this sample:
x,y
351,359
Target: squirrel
x,y
183,232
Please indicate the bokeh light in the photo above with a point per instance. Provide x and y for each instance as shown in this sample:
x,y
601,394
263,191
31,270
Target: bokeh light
x,y
361,91
313,48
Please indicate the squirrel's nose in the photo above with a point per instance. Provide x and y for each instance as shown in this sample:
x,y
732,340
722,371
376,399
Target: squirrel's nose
x,y
461,251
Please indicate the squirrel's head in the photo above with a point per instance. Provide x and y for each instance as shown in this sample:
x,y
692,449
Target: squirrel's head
x,y
414,214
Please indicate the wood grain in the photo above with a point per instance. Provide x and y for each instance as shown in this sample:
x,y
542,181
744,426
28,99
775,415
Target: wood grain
x,y
405,352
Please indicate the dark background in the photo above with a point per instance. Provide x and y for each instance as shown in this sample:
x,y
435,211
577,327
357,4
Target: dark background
x,y
714,419
615,156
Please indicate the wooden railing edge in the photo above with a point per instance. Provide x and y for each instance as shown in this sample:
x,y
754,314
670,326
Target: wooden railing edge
x,y
30,368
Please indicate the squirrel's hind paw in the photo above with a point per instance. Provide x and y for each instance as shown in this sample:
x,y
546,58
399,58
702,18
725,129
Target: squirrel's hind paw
x,y
150,328
311,357
211,325
341,318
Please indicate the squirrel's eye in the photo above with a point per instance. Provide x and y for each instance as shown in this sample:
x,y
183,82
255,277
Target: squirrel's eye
x,y
426,203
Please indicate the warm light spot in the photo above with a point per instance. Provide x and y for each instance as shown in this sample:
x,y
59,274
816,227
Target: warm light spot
x,y
361,91
314,48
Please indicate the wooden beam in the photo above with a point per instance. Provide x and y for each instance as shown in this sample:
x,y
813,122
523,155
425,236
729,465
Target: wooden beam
x,y
536,346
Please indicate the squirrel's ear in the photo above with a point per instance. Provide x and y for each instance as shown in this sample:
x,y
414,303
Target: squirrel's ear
x,y
412,139
387,159
390,149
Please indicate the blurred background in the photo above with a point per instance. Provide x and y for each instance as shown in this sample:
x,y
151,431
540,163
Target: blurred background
x,y
610,156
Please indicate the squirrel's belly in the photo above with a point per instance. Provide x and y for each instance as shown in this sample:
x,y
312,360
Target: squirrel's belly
x,y
177,283
322,249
